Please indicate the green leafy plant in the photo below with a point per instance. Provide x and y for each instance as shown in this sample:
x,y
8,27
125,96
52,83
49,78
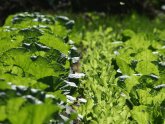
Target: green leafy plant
x,y
124,64
34,70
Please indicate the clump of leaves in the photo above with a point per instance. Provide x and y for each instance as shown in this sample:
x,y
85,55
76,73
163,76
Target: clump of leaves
x,y
125,73
34,70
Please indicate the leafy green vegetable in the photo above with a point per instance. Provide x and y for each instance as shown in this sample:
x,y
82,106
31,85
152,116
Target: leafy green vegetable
x,y
147,68
34,70
124,63
124,66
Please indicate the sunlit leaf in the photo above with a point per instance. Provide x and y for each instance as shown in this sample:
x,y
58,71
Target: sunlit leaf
x,y
146,68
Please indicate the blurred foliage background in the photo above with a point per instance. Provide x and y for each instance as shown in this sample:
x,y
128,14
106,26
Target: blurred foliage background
x,y
150,8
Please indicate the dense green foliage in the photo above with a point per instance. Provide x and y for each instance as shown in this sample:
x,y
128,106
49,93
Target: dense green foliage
x,y
124,63
35,56
123,59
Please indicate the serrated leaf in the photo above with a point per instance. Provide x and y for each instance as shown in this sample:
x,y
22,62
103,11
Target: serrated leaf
x,y
147,68
139,39
146,55
124,67
90,104
144,96
140,114
55,43
131,82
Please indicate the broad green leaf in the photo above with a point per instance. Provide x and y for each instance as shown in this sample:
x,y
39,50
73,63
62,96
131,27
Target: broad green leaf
x,y
146,68
18,57
19,80
8,43
128,33
125,54
3,84
55,43
159,98
138,42
33,50
145,97
140,114
13,106
41,68
59,30
156,45
146,55
131,82
34,114
89,105
22,59
124,66
58,95
54,83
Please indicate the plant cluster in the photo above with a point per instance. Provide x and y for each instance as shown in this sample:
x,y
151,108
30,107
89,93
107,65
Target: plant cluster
x,y
36,83
125,68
